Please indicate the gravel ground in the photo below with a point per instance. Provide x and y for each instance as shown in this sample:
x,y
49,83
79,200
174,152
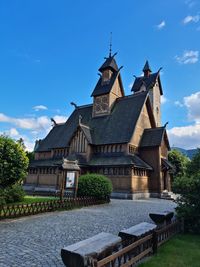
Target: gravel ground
x,y
37,240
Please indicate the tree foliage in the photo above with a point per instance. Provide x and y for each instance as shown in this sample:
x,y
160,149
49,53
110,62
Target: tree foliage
x,y
94,185
13,162
188,186
194,165
179,161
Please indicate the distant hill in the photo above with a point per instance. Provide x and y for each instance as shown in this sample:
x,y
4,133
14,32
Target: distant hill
x,y
188,152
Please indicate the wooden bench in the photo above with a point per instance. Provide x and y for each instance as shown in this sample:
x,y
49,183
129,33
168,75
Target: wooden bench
x,y
137,231
162,218
81,254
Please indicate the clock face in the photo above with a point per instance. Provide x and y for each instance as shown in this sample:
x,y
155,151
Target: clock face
x,y
101,104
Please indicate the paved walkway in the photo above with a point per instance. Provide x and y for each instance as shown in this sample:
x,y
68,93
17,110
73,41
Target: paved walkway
x,y
37,240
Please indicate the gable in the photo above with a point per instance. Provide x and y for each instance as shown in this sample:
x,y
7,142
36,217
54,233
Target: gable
x,y
144,121
156,137
148,82
78,142
117,90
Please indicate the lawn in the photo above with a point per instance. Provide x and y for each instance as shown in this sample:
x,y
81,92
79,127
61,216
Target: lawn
x,y
33,199
181,251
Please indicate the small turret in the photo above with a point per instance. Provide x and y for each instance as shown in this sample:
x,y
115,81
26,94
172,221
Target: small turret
x,y
147,70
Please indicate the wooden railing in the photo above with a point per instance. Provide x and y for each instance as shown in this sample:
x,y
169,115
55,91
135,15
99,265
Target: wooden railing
x,y
165,233
131,254
18,210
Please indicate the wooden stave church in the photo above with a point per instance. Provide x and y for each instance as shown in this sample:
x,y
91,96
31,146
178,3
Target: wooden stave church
x,y
118,136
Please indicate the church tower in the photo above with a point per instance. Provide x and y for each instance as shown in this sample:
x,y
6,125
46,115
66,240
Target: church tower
x,y
108,88
150,82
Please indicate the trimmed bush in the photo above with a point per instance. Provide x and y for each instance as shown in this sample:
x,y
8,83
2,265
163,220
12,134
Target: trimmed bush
x,y
15,193
94,185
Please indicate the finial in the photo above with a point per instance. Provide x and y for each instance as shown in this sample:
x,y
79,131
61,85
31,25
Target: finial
x,y
73,104
80,119
110,50
54,122
166,124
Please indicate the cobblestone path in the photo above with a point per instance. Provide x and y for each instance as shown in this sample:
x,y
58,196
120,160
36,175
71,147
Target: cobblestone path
x,y
37,240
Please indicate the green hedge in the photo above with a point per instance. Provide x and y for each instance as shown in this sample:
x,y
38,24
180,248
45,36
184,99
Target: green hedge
x,y
14,193
94,185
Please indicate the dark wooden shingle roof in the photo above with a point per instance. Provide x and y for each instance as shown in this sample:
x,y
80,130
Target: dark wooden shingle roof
x,y
106,87
149,82
110,63
125,160
152,137
118,127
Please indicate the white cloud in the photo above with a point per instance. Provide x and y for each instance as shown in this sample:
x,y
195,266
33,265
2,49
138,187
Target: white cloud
x,y
161,25
188,57
178,104
185,137
40,107
13,132
163,99
40,123
37,127
190,19
192,103
60,119
188,136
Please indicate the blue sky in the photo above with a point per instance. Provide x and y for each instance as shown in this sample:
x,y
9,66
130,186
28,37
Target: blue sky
x,y
50,52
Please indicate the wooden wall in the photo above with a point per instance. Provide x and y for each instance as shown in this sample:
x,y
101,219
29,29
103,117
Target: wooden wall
x,y
152,157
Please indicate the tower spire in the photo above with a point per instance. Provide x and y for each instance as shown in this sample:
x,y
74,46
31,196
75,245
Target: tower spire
x,y
147,70
110,50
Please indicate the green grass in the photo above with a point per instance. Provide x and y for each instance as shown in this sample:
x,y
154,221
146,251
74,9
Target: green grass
x,y
181,251
33,199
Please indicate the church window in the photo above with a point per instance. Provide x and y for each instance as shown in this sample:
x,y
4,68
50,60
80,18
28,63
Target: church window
x,y
110,171
121,171
115,171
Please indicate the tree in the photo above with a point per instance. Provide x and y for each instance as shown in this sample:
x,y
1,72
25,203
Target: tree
x,y
30,155
188,186
13,162
179,161
194,165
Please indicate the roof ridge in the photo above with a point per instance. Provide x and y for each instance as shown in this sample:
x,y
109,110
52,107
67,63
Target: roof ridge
x,y
156,128
84,106
132,95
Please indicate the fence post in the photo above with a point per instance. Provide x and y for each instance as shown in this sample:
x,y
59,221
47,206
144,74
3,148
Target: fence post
x,y
155,242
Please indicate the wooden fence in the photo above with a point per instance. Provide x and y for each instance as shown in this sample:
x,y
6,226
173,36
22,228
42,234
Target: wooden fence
x,y
134,252
18,210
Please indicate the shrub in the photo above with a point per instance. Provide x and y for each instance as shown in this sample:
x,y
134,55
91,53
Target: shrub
x,y
189,201
2,198
94,185
15,193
